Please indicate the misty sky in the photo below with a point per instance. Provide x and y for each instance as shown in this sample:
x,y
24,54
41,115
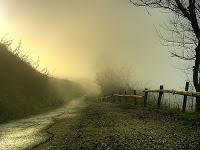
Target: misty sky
x,y
77,38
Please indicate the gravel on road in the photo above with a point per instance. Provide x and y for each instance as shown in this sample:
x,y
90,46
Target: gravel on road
x,y
109,126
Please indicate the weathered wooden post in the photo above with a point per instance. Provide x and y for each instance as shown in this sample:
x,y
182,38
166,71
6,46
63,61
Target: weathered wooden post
x,y
145,97
160,96
115,97
135,100
104,98
185,97
119,97
112,97
125,98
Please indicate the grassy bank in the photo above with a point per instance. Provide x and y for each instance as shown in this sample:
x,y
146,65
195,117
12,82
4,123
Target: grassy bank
x,y
25,91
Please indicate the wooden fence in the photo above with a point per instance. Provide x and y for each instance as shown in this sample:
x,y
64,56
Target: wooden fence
x,y
160,92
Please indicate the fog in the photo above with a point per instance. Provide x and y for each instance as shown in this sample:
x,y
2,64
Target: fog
x,y
76,39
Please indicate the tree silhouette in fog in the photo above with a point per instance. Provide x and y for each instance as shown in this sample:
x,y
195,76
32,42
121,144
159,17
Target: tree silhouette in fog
x,y
113,80
184,25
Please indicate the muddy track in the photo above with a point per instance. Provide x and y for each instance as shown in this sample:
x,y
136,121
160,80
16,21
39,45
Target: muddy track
x,y
50,134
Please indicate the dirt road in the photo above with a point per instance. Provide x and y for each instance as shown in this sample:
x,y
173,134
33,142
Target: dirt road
x,y
121,126
89,125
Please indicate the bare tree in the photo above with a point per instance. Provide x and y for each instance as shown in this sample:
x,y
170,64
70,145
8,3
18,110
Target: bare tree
x,y
115,80
184,25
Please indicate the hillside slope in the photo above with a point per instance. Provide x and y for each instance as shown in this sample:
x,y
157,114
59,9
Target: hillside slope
x,y
25,91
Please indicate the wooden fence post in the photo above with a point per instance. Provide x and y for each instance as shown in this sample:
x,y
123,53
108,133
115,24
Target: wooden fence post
x,y
115,97
160,96
119,97
135,100
125,97
145,97
185,97
112,97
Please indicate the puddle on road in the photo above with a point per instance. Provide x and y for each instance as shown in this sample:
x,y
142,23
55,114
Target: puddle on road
x,y
25,133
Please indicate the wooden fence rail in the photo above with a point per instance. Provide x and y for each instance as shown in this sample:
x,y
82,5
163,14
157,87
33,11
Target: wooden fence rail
x,y
184,93
133,96
161,92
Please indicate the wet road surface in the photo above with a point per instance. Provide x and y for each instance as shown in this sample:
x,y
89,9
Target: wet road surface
x,y
27,133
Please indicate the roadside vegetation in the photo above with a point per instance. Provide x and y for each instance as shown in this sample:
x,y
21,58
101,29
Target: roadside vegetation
x,y
24,90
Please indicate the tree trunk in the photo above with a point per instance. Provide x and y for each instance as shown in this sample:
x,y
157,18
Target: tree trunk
x,y
196,77
197,104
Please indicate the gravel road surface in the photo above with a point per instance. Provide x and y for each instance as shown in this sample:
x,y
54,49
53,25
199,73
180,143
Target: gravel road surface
x,y
108,126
